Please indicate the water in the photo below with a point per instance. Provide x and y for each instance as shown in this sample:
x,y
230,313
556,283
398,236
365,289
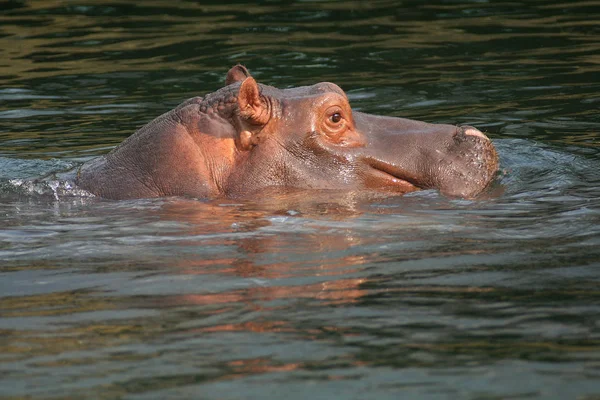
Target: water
x,y
322,295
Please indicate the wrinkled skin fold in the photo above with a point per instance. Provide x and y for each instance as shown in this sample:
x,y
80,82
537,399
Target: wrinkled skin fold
x,y
247,137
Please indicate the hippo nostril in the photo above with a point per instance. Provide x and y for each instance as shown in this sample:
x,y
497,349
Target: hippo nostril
x,y
470,131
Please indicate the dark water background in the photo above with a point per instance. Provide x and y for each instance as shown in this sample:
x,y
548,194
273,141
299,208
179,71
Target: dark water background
x,y
333,295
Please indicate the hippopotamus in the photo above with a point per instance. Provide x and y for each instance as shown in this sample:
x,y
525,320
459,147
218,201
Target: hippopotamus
x,y
247,137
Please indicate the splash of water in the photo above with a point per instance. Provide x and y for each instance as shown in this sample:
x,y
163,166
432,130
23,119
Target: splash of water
x,y
54,188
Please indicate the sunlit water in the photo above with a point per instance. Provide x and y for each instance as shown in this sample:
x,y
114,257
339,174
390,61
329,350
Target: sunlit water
x,y
302,295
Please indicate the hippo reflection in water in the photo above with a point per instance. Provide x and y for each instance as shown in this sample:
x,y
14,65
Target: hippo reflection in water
x,y
247,136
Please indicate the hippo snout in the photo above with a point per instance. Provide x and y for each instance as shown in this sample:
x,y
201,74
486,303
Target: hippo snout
x,y
470,164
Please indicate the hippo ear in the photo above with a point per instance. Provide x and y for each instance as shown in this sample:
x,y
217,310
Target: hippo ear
x,y
236,74
252,105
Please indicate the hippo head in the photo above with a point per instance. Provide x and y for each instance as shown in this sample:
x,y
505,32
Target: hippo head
x,y
309,137
246,137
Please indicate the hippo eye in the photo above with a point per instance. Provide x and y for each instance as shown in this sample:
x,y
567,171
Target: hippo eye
x,y
335,124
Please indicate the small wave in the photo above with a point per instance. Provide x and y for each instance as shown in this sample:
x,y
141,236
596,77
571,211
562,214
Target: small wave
x,y
11,168
38,178
54,188
541,172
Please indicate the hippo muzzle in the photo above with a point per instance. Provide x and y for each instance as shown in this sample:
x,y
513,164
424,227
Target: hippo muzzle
x,y
459,161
